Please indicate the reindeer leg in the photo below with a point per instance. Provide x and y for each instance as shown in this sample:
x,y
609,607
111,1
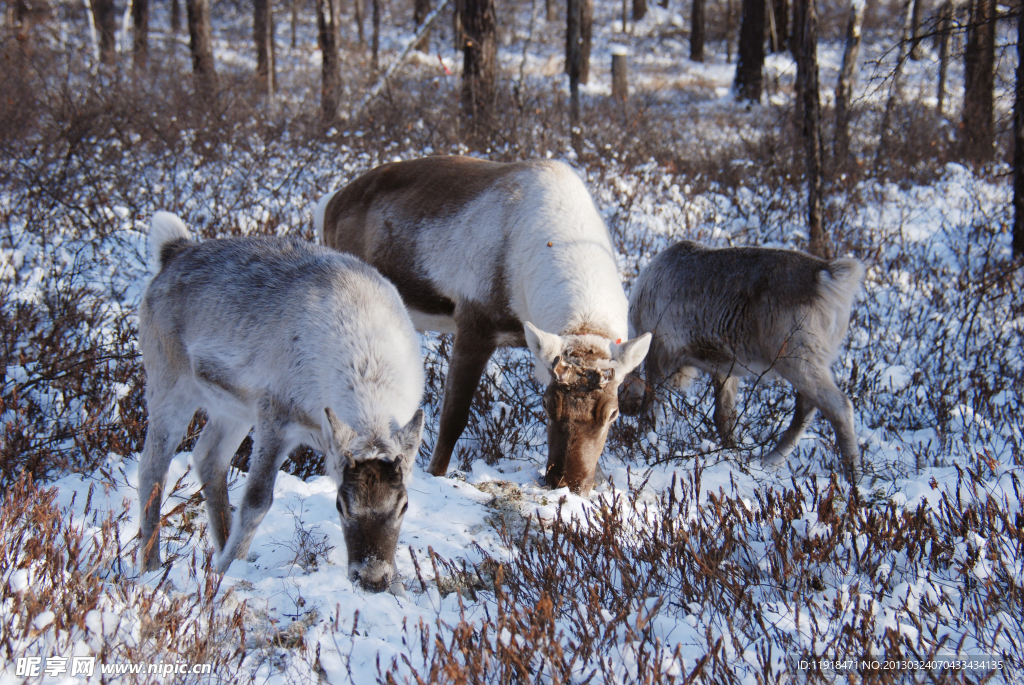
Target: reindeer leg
x,y
212,456
802,417
725,408
269,451
474,344
169,416
838,410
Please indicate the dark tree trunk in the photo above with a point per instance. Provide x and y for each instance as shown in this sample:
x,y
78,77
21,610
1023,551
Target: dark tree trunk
x,y
573,66
697,31
730,26
263,34
201,46
639,9
106,25
375,47
328,15
140,25
895,95
780,24
1018,147
295,22
945,30
979,82
804,15
359,11
421,9
479,67
847,76
750,63
915,29
175,16
586,31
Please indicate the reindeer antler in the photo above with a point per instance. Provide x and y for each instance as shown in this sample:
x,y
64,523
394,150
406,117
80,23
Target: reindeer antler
x,y
578,377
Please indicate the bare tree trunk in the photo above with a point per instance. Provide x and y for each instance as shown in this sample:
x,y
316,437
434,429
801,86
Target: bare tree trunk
x,y
140,24
175,16
573,66
295,21
780,17
979,82
807,76
945,29
795,36
697,31
639,9
915,29
421,9
847,76
479,67
201,46
263,34
586,31
895,94
1018,147
750,61
359,12
551,10
730,26
328,15
106,22
376,39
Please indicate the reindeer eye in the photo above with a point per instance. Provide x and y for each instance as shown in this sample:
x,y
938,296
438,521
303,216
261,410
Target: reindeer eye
x,y
405,507
339,504
615,415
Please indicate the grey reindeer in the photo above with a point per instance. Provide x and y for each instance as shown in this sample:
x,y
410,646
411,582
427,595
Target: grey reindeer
x,y
737,312
308,345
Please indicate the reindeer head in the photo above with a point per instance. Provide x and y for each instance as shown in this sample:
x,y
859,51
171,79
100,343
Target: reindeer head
x,y
373,472
582,374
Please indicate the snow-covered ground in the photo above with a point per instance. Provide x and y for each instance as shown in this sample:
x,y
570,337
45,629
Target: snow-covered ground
x,y
933,364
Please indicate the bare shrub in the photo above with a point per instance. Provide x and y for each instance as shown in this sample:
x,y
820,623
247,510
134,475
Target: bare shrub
x,y
733,570
64,582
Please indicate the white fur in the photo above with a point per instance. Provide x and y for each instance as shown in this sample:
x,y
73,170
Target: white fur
x,y
277,364
574,281
318,216
164,228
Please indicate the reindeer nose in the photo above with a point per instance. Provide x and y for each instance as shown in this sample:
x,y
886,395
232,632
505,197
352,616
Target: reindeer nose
x,y
371,578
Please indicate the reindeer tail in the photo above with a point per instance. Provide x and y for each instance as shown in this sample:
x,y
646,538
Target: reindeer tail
x,y
840,283
318,215
167,236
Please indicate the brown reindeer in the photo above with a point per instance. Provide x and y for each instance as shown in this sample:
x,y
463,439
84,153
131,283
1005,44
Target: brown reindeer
x,y
501,254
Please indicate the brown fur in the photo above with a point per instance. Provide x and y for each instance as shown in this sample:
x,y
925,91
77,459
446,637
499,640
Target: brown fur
x,y
383,215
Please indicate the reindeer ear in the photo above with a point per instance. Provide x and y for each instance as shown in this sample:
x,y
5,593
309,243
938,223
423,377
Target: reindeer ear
x,y
546,347
629,354
408,438
338,435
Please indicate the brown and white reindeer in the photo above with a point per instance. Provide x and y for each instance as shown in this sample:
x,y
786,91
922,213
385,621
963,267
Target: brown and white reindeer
x,y
742,311
501,254
309,345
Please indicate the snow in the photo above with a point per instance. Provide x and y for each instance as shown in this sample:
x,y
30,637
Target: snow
x,y
925,333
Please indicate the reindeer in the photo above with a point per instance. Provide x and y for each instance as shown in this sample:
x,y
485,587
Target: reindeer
x,y
501,254
736,312
312,347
